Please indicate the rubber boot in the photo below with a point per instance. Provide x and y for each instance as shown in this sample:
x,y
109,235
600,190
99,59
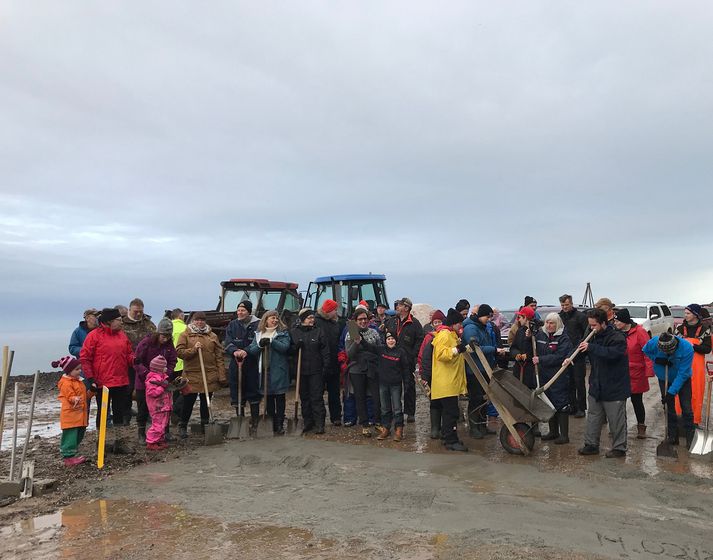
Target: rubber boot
x,y
563,421
673,436
435,423
167,434
183,431
641,431
278,425
554,432
475,429
254,419
689,437
120,448
141,434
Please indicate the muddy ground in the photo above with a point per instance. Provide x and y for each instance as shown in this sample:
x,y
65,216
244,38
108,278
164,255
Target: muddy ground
x,y
342,495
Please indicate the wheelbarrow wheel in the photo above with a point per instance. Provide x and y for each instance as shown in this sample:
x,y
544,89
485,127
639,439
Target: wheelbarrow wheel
x,y
508,442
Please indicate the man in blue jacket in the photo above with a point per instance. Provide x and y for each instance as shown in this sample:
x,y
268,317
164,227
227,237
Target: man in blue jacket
x,y
80,333
609,385
676,354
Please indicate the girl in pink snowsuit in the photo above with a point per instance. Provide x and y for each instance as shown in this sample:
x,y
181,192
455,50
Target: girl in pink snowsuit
x,y
158,401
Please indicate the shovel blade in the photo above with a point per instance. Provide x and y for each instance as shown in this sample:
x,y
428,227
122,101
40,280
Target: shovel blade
x,y
708,445
235,428
665,449
213,434
291,425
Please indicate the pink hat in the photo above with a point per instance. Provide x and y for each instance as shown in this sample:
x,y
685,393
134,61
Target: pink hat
x,y
158,364
68,364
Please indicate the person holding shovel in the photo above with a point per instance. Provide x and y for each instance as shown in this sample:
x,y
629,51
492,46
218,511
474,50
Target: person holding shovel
x,y
238,337
313,359
673,359
609,385
272,347
694,331
553,346
199,336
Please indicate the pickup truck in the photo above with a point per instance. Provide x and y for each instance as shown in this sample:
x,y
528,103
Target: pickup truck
x,y
264,294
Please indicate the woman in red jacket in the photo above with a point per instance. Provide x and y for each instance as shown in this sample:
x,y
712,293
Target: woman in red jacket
x,y
640,367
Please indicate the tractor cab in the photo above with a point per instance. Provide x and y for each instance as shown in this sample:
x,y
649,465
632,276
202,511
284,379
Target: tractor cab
x,y
264,295
348,290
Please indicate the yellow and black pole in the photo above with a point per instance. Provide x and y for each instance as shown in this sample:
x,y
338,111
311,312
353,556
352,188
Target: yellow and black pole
x,y
102,427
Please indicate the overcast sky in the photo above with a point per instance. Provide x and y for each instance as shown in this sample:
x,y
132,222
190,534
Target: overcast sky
x,y
464,149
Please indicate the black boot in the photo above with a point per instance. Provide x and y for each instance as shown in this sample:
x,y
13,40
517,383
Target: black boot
x,y
554,428
563,421
278,425
475,428
167,434
183,431
689,437
435,423
254,419
141,432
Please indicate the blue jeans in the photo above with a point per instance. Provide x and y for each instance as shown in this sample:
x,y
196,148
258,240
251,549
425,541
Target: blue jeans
x,y
391,409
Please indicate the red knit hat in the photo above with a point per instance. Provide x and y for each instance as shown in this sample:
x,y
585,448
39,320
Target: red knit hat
x,y
158,364
363,302
68,364
329,305
527,312
438,316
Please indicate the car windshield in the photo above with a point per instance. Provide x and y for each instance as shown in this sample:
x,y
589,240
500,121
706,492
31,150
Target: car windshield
x,y
636,311
677,313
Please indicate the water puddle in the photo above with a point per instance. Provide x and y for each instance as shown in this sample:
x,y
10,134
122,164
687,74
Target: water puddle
x,y
137,530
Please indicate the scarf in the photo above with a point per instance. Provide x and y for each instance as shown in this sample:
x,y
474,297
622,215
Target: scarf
x,y
268,333
197,330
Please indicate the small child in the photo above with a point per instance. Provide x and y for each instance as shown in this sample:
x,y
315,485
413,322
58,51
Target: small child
x,y
74,415
158,401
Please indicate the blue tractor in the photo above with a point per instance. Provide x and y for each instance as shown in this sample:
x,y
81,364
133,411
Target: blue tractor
x,y
348,290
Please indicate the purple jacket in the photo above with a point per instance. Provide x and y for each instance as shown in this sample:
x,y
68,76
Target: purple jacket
x,y
147,351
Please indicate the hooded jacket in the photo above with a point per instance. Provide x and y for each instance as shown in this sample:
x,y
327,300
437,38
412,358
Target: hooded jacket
x,y
331,329
448,377
73,396
681,361
106,357
484,336
146,351
278,376
178,327
213,360
552,349
239,336
314,349
609,376
76,341
640,367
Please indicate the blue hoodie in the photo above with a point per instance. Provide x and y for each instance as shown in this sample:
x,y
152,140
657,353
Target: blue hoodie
x,y
680,369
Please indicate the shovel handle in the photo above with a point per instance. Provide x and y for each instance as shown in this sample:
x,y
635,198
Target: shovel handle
x,y
297,382
265,365
561,370
240,388
205,384
534,355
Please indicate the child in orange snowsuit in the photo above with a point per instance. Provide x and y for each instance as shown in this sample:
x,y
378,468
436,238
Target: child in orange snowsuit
x,y
73,416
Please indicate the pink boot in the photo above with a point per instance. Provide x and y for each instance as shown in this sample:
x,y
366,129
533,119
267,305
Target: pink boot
x,y
74,461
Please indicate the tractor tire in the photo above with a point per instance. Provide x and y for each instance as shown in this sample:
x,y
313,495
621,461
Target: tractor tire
x,y
509,443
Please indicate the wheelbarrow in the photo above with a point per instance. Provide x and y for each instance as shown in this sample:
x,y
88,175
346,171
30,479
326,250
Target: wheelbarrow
x,y
514,402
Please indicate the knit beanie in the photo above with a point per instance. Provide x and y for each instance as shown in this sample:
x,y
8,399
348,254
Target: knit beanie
x,y
462,304
304,313
529,300
247,304
484,310
329,305
453,318
695,309
67,364
438,316
158,364
667,343
165,326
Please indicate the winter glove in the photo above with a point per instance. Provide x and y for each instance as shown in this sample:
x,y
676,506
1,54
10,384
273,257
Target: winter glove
x,y
263,342
461,347
668,399
93,387
663,362
299,345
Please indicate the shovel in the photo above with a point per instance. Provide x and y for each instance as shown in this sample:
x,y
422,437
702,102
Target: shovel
x,y
702,439
539,392
236,424
537,372
665,449
292,423
265,367
213,432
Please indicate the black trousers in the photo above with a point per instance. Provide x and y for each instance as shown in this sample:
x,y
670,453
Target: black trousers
x,y
331,381
361,382
188,401
637,401
684,397
449,417
312,399
276,409
118,397
477,411
409,393
143,410
577,385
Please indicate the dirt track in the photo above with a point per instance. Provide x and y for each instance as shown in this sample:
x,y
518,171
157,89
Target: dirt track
x,y
340,495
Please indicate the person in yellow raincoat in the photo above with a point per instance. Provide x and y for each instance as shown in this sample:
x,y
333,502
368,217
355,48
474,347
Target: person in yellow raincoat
x,y
694,331
448,378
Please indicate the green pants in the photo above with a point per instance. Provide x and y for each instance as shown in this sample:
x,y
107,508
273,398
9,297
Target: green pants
x,y
71,438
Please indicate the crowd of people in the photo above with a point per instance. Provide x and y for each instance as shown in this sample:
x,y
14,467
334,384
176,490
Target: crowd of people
x,y
370,367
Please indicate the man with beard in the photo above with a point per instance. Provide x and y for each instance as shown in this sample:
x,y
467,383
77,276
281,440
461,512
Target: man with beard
x,y
137,326
409,335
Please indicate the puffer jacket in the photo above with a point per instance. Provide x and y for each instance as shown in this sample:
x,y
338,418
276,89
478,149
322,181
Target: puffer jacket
x,y
178,327
213,360
158,399
484,336
73,396
136,331
640,367
314,349
146,351
278,372
679,370
239,336
331,330
448,377
609,376
106,357
552,349
77,339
